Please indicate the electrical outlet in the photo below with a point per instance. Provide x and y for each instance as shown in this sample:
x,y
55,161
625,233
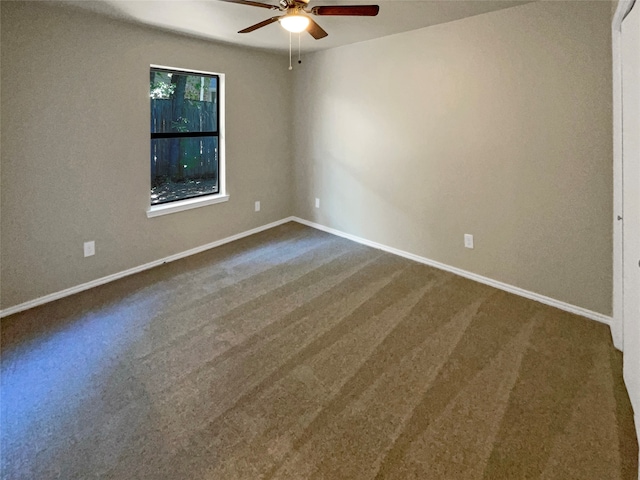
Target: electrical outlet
x,y
258,206
89,248
317,203
468,240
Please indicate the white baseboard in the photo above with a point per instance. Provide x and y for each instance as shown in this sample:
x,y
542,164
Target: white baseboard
x,y
110,278
463,273
616,334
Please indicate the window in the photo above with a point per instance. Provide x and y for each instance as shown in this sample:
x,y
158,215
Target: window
x,y
185,139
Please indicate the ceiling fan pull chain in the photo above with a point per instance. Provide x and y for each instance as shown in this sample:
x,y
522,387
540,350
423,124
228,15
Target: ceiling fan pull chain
x,y
290,67
299,61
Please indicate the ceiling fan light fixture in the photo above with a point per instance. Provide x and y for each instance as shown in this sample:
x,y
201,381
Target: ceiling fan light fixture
x,y
295,23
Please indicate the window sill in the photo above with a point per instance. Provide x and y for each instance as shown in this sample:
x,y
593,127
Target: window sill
x,y
188,204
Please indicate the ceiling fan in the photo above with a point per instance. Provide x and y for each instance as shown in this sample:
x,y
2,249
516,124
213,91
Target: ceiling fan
x,y
296,15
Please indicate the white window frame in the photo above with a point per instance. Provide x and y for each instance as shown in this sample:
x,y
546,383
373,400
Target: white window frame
x,y
222,195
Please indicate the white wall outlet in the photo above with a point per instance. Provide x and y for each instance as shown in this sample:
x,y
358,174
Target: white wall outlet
x,y
89,248
468,240
317,203
257,206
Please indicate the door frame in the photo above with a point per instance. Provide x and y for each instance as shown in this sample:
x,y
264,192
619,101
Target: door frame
x,y
617,325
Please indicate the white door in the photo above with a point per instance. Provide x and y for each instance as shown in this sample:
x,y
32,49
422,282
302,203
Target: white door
x,y
631,202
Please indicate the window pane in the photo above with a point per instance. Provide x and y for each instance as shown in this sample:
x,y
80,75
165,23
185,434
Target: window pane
x,y
183,103
183,168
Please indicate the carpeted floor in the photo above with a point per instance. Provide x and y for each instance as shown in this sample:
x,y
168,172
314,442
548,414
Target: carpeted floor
x,y
294,354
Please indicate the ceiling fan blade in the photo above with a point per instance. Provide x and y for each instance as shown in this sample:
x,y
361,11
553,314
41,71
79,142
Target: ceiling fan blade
x,y
252,4
259,25
354,10
316,30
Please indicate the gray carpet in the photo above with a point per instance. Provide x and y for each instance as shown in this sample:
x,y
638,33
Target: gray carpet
x,y
294,354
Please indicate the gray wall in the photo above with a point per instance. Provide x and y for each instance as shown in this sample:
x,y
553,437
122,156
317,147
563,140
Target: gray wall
x,y
497,125
75,147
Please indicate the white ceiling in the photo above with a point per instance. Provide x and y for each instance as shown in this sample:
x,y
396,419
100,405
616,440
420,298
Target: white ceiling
x,y
220,21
